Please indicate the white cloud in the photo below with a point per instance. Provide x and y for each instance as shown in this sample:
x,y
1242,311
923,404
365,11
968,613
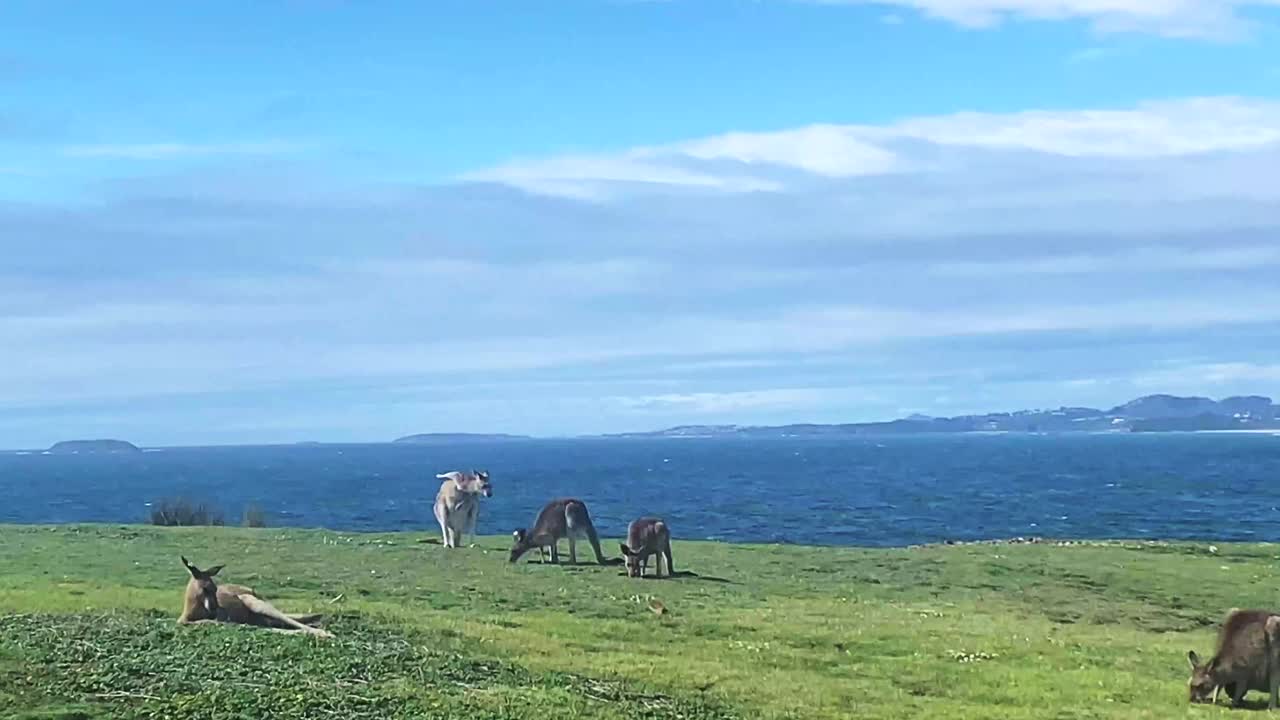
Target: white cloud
x,y
1174,18
760,161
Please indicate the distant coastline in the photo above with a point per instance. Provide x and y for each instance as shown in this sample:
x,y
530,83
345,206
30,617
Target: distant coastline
x,y
1148,414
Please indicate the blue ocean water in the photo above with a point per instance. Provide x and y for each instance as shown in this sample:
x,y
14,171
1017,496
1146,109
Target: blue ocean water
x,y
874,491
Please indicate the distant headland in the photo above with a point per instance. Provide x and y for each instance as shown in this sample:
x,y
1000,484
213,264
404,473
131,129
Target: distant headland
x,y
1152,413
85,447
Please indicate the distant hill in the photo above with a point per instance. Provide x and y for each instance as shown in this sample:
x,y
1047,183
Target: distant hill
x,y
1152,413
85,447
441,438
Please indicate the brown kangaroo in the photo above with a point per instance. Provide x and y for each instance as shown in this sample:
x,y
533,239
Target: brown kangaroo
x,y
1247,658
562,518
207,601
647,536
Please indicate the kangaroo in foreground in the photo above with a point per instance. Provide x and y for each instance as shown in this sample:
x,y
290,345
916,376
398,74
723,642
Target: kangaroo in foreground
x,y
647,536
207,601
563,518
1247,658
458,504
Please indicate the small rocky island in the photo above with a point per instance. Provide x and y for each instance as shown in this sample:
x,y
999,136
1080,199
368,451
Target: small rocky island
x,y
98,447
447,438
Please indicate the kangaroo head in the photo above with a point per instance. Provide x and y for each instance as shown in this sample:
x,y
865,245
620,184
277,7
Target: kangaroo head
x,y
476,481
520,544
480,482
202,590
1202,683
632,559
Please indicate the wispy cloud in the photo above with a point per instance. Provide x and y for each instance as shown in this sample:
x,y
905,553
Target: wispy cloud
x,y
1127,262
1198,376
760,161
962,262
1089,55
727,402
1215,19
170,150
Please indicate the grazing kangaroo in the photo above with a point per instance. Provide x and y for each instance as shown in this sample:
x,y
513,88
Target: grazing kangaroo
x,y
647,536
458,504
207,601
562,518
1247,658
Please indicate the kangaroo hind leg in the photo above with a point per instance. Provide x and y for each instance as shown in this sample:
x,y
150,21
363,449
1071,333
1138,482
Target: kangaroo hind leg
x,y
271,617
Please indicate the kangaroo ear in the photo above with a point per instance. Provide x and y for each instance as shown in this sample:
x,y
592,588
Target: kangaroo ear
x,y
1195,659
214,570
195,571
626,550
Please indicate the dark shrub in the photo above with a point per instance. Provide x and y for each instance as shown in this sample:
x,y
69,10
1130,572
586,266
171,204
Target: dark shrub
x,y
181,512
254,517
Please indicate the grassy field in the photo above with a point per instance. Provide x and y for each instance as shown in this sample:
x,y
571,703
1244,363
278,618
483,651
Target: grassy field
x,y
87,629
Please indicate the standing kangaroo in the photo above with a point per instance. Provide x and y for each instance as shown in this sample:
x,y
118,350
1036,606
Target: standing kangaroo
x,y
207,601
1247,658
562,518
647,536
458,504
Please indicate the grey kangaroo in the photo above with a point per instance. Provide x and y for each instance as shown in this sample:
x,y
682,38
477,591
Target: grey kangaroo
x,y
647,536
207,601
1247,658
458,503
562,518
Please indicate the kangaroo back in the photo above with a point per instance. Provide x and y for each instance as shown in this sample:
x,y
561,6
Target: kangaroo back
x,y
646,536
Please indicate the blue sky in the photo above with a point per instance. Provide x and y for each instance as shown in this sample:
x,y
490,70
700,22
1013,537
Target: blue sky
x,y
268,222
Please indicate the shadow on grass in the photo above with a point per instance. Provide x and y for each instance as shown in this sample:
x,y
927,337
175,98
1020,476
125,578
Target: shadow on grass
x,y
686,575
1246,704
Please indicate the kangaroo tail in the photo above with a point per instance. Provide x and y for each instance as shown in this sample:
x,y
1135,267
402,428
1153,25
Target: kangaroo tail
x,y
595,543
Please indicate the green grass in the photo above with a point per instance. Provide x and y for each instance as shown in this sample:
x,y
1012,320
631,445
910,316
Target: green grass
x,y
87,629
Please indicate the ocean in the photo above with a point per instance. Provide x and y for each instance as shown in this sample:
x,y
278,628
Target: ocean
x,y
869,491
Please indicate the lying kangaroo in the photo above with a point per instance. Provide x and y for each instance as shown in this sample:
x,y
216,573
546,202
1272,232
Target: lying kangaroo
x,y
563,518
647,536
458,503
207,601
1247,658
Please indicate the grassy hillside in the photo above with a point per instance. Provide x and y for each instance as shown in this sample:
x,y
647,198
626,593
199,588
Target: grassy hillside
x,y
983,631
